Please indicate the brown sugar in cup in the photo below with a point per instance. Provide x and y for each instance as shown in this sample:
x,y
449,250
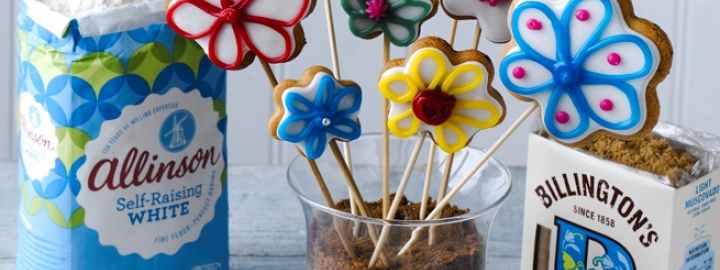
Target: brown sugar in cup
x,y
459,245
649,152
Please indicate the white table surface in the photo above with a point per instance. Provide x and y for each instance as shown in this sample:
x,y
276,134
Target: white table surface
x,y
259,240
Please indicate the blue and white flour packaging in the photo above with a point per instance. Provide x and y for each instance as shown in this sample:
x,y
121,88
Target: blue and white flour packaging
x,y
122,131
583,212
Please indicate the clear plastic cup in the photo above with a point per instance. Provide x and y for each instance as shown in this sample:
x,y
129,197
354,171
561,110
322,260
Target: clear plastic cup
x,y
340,240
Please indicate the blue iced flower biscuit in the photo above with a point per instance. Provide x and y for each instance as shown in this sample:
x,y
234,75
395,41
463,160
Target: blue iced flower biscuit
x,y
592,66
316,109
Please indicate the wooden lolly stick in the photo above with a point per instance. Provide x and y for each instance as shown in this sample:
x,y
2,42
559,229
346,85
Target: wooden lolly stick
x,y
476,36
447,171
428,178
327,196
453,31
335,56
353,200
399,194
493,149
330,203
386,139
350,181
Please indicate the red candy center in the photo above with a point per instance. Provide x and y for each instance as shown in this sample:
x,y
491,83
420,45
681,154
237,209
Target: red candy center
x,y
433,107
491,2
230,15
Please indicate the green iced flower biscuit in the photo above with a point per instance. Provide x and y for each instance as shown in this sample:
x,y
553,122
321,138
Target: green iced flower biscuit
x,y
400,20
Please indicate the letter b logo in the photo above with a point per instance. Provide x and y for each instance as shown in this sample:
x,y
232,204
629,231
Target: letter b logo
x,y
579,248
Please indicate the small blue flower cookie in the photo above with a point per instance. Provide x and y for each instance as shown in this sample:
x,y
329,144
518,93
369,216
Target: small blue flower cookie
x,y
315,110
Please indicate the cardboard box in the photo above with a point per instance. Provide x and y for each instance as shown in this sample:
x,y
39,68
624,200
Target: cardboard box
x,y
582,212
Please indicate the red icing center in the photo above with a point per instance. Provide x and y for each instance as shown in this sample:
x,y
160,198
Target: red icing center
x,y
433,107
491,2
376,9
230,15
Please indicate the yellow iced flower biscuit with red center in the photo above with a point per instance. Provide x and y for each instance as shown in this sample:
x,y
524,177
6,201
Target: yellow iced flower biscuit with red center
x,y
442,92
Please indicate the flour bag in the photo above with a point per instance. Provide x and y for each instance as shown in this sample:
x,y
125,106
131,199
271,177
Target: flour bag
x,y
122,132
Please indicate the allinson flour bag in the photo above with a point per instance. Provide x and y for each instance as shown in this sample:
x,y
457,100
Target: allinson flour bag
x,y
122,141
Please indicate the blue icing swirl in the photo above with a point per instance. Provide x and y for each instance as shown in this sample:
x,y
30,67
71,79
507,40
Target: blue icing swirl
x,y
569,73
321,118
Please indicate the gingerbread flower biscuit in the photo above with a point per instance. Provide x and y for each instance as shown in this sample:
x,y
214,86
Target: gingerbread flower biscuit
x,y
441,91
233,31
400,20
591,65
315,110
491,15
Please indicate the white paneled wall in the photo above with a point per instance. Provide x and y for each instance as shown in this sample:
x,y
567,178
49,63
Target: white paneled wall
x,y
687,95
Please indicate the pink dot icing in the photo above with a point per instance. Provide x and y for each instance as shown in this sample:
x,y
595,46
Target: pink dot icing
x,y
519,72
582,15
534,24
562,117
492,3
607,105
614,59
376,9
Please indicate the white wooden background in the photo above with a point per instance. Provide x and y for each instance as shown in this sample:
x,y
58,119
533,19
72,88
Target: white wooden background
x,y
688,96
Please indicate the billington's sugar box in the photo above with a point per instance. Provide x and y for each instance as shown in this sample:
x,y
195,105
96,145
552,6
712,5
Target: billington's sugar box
x,y
122,143
583,212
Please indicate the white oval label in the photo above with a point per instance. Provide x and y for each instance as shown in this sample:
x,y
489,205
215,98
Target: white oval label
x,y
38,142
153,176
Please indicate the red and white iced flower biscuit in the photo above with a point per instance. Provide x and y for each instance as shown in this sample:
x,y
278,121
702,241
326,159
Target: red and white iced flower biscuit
x,y
233,31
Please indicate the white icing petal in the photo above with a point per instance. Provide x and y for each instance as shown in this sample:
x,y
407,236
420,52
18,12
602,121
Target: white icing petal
x,y
410,12
268,42
631,59
226,45
432,70
492,19
599,95
565,105
582,28
191,19
530,75
289,12
399,31
541,39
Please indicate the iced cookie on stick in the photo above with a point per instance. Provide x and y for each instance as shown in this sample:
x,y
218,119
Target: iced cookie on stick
x,y
441,92
232,32
590,66
316,111
398,20
491,16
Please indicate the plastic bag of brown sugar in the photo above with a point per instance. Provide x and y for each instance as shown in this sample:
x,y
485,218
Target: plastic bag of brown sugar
x,y
674,155
648,202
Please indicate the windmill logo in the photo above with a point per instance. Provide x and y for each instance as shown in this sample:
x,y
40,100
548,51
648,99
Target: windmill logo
x,y
177,131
